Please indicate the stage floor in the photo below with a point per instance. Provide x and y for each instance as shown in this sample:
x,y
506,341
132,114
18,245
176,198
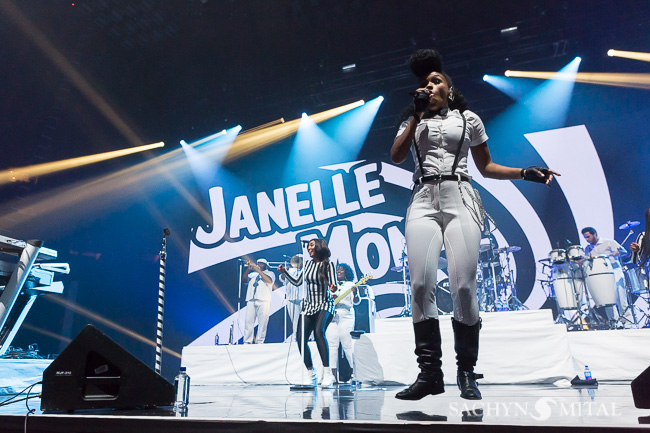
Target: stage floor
x,y
513,407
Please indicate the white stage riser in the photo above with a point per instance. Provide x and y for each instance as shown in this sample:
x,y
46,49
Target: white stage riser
x,y
516,347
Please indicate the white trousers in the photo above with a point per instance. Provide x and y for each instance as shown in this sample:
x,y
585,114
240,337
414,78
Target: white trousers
x,y
437,216
339,331
259,309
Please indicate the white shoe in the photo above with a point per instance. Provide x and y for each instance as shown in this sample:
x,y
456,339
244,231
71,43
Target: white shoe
x,y
327,380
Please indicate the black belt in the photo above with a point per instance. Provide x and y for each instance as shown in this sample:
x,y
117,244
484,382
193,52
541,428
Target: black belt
x,y
435,177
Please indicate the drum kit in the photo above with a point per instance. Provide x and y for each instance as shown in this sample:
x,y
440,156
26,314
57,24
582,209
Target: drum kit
x,y
582,284
495,282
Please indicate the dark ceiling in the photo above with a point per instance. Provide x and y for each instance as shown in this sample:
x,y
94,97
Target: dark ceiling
x,y
183,69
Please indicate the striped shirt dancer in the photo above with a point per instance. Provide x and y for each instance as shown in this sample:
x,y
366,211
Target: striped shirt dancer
x,y
318,307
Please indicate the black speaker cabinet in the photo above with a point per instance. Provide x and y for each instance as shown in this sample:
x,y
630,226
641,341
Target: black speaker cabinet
x,y
94,372
364,315
641,390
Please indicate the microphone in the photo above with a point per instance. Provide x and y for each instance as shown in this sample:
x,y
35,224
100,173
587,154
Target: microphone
x,y
424,96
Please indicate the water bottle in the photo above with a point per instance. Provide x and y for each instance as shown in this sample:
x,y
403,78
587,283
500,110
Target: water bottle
x,y
232,331
181,390
216,339
587,373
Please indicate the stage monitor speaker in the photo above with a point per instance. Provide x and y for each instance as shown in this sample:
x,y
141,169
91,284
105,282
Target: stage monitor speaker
x,y
364,315
94,372
641,390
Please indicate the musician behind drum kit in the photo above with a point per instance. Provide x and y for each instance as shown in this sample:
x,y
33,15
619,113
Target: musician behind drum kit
x,y
613,250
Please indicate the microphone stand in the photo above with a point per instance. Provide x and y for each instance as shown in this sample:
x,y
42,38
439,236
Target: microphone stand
x,y
302,387
232,338
161,301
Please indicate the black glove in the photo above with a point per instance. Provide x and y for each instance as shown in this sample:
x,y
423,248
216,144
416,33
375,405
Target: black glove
x,y
535,174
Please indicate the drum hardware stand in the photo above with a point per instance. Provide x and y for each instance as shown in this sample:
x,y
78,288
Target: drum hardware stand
x,y
631,307
406,311
514,303
630,233
592,318
494,286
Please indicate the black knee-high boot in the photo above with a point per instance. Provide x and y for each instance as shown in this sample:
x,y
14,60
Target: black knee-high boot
x,y
466,345
429,353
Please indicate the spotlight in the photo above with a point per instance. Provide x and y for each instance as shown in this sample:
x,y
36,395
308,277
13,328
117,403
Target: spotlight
x,y
381,98
304,115
578,59
183,143
507,73
349,68
485,77
510,33
634,55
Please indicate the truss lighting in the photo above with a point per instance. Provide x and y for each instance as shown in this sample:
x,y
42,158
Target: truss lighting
x,y
25,173
637,81
644,57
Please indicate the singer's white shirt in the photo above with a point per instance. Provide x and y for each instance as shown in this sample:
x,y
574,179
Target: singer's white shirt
x,y
438,137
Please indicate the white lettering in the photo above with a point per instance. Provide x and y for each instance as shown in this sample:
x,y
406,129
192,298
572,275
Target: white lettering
x,y
242,217
365,187
317,202
362,254
295,206
218,219
397,244
266,209
342,205
339,244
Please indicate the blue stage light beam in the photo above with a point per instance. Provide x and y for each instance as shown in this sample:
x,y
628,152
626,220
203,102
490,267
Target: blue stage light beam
x,y
349,130
201,156
337,139
311,148
544,108
515,88
549,103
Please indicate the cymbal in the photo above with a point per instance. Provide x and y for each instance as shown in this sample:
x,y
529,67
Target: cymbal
x,y
544,260
511,249
399,268
628,225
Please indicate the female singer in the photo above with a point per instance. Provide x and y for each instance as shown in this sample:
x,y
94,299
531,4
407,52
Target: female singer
x,y
444,208
318,306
